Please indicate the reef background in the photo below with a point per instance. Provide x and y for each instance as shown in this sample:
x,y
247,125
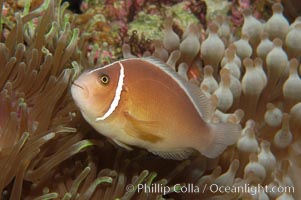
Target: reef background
x,y
47,150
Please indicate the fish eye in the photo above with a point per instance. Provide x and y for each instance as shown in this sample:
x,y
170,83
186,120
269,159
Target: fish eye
x,y
104,79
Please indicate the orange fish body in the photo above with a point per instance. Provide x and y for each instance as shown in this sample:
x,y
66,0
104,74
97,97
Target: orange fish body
x,y
143,102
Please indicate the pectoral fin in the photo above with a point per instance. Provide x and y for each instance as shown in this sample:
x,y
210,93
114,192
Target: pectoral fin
x,y
141,129
122,145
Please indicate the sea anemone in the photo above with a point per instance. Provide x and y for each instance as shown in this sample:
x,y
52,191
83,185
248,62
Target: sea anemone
x,y
36,69
47,151
253,80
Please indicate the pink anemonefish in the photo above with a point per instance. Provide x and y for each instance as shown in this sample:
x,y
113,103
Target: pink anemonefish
x,y
143,102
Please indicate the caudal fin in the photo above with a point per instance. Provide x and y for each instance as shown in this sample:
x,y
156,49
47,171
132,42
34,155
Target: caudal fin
x,y
225,134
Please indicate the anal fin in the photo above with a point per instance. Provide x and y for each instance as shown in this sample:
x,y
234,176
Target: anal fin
x,y
121,144
174,155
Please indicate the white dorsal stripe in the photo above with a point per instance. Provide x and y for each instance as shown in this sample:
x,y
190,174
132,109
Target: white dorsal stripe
x,y
117,96
99,68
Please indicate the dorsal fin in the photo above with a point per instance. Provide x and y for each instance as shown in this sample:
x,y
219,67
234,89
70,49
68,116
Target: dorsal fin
x,y
201,103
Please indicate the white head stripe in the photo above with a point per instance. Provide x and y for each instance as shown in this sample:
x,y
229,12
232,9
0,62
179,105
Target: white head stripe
x,y
116,99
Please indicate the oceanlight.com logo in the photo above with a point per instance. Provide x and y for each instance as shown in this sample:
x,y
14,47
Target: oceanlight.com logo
x,y
247,188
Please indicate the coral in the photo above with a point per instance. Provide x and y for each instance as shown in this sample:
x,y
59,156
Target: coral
x,y
47,151
147,24
150,21
216,7
181,13
106,35
115,22
291,9
138,44
199,9
261,9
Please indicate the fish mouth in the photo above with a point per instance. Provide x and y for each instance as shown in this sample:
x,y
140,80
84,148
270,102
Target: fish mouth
x,y
77,85
79,90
